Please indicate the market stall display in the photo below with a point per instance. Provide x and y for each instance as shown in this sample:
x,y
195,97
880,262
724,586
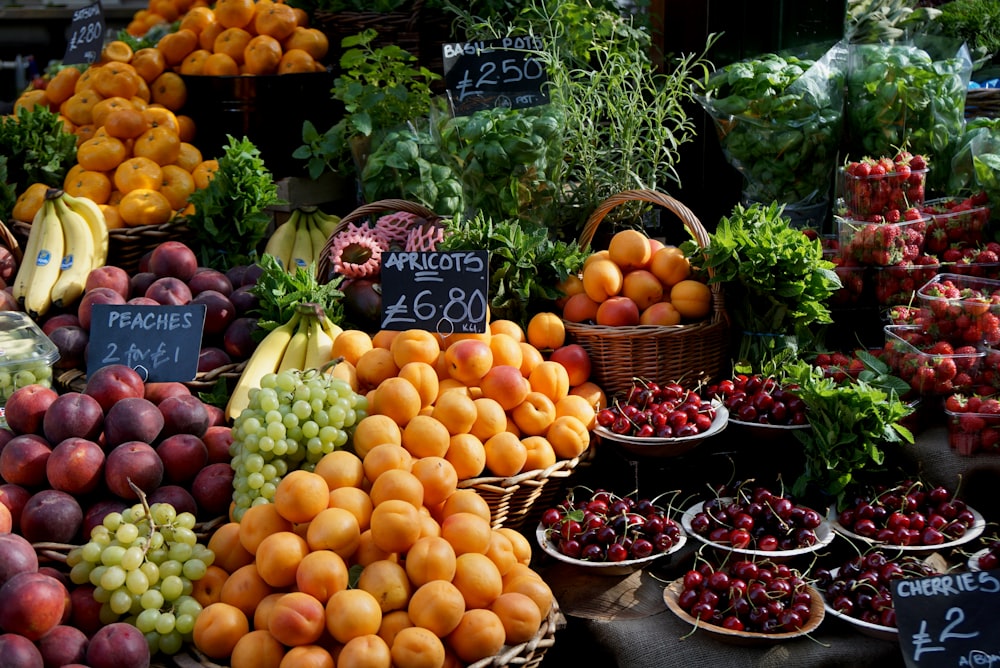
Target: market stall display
x,y
329,487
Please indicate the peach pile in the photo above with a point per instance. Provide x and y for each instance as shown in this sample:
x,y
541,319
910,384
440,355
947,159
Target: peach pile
x,y
637,280
66,459
436,583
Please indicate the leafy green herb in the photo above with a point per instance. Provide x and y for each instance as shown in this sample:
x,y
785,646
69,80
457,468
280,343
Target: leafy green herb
x,y
381,89
775,279
851,423
409,163
525,264
44,152
511,160
975,22
230,218
279,292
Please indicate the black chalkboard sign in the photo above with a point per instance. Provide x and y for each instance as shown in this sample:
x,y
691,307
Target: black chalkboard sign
x,y
86,35
161,342
949,620
440,291
494,73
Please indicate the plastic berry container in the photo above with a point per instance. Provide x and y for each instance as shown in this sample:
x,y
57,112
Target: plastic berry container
x,y
964,310
956,220
930,368
881,244
26,354
876,194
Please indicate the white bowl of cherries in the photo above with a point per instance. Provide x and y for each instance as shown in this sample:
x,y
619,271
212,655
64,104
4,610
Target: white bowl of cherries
x,y
660,420
760,405
607,533
909,517
859,591
752,520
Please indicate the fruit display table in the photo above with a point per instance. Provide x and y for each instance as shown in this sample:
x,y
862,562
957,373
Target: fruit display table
x,y
623,620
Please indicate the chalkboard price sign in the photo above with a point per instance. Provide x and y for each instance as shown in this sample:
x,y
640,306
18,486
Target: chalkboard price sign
x,y
949,619
440,291
161,342
86,35
494,73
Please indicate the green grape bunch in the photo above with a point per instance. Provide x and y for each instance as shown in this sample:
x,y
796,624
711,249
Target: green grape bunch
x,y
142,563
293,419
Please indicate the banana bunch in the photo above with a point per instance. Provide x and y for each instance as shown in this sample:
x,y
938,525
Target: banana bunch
x,y
68,238
304,342
298,242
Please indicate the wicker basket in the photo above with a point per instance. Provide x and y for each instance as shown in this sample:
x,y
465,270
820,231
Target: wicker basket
x,y
324,268
689,353
419,31
982,102
9,241
519,500
127,245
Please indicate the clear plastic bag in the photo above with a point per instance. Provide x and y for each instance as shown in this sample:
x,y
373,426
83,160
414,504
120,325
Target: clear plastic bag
x,y
779,119
907,95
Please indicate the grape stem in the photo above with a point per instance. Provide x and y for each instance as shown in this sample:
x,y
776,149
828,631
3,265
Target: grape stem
x,y
149,514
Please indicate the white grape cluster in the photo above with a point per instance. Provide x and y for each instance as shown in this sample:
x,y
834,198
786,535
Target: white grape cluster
x,y
293,419
142,564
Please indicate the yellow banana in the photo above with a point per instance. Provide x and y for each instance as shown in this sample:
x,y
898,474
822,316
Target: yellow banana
x,y
78,256
26,270
295,353
265,359
38,296
332,329
98,224
302,250
327,222
319,351
279,244
318,238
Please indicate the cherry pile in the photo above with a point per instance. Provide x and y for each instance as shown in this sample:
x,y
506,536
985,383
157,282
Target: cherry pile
x,y
907,514
760,399
603,526
755,518
660,411
990,559
746,595
862,587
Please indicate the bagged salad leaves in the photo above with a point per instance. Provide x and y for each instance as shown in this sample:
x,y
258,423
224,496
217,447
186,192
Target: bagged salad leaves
x,y
907,96
975,166
779,119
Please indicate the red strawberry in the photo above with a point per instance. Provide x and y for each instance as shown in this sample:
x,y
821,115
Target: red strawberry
x,y
956,403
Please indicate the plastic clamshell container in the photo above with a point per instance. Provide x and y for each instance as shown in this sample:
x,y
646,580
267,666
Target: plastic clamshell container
x,y
897,285
881,244
26,354
990,270
853,280
972,433
961,223
876,194
908,351
971,316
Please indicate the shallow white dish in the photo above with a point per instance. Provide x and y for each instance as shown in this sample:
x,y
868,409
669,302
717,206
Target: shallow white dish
x,y
873,630
817,610
973,563
972,533
824,535
604,567
652,446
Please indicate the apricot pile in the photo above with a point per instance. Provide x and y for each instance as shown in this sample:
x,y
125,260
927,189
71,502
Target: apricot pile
x,y
637,280
436,584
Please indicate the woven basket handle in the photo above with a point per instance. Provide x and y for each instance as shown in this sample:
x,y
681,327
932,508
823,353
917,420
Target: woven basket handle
x,y
8,239
323,265
687,216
